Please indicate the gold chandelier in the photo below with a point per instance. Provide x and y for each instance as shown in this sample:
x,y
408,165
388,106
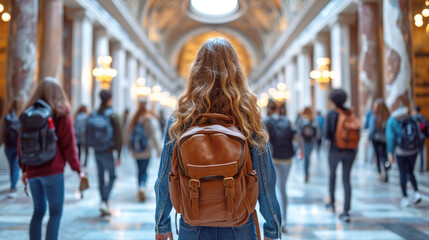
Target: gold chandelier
x,y
104,74
322,74
419,18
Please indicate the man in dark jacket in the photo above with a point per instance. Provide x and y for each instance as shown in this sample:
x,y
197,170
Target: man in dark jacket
x,y
337,155
105,159
422,122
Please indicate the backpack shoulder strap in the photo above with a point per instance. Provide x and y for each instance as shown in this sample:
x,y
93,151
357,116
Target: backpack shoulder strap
x,y
217,116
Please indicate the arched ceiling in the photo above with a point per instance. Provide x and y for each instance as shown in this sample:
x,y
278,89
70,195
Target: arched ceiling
x,y
171,25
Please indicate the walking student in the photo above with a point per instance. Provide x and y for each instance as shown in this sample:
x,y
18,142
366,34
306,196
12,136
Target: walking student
x,y
377,135
9,137
144,136
424,127
281,135
104,136
80,119
309,132
403,142
216,162
47,114
342,131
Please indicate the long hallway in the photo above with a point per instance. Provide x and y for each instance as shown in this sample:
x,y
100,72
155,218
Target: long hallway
x,y
376,212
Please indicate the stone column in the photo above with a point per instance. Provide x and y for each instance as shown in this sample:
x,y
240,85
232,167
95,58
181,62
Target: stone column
x,y
51,56
398,74
101,49
340,55
304,68
82,60
22,48
369,51
132,76
291,82
118,63
320,50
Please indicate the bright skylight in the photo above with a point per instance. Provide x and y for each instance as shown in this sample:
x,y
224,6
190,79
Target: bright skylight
x,y
214,8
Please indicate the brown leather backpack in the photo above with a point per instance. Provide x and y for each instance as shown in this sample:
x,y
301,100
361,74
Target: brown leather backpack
x,y
212,181
347,133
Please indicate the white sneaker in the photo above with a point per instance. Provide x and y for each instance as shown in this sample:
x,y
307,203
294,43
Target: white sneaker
x,y
12,195
104,209
417,197
405,202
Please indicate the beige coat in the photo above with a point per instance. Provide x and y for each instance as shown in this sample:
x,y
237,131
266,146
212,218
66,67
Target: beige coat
x,y
153,132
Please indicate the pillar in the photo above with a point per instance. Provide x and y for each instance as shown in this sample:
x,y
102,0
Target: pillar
x,y
320,50
303,74
291,82
101,49
131,81
398,74
82,60
51,56
340,55
369,55
22,48
118,63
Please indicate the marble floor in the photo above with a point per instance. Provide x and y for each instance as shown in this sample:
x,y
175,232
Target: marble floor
x,y
376,213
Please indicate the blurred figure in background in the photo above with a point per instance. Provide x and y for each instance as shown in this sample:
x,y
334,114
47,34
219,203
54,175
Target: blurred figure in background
x,y
281,134
9,137
309,132
403,142
321,122
424,128
143,137
377,134
80,118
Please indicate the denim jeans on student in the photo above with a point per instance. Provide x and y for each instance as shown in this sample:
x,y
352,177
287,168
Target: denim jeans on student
x,y
381,154
105,163
346,158
142,171
50,188
406,172
246,231
12,158
308,148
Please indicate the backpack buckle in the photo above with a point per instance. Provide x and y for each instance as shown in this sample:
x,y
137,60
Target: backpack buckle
x,y
231,179
196,182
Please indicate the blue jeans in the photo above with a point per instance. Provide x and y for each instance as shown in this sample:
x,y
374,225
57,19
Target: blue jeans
x,y
105,162
49,188
308,148
142,171
422,155
12,158
246,231
406,172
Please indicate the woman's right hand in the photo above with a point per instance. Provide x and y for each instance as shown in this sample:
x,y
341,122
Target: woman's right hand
x,y
24,178
164,236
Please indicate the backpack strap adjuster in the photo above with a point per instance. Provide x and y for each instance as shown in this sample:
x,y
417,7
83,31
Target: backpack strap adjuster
x,y
194,186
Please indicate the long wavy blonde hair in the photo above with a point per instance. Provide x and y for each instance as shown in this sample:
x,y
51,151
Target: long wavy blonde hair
x,y
217,85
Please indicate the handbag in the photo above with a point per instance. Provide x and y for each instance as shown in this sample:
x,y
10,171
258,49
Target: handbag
x,y
84,184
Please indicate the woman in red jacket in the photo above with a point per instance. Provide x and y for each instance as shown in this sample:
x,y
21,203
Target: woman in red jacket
x,y
47,180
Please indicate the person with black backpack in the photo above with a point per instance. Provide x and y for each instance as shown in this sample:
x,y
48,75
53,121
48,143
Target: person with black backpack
x,y
309,133
9,137
282,135
144,135
424,128
46,143
377,134
403,142
342,131
103,134
80,120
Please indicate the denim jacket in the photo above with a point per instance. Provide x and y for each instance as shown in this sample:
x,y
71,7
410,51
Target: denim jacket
x,y
262,163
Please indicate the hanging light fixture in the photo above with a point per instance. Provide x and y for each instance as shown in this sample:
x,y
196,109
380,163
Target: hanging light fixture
x,y
322,74
104,74
419,18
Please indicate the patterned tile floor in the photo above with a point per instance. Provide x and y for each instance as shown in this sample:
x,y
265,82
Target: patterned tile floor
x,y
376,213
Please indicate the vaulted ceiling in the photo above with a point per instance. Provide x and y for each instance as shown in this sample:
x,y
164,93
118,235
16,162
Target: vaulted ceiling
x,y
173,26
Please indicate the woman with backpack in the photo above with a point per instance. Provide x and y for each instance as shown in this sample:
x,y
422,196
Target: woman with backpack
x,y
144,135
282,136
377,134
9,136
215,127
309,133
80,119
403,142
46,180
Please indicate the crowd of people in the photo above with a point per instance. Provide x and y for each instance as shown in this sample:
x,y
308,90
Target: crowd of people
x,y
219,155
